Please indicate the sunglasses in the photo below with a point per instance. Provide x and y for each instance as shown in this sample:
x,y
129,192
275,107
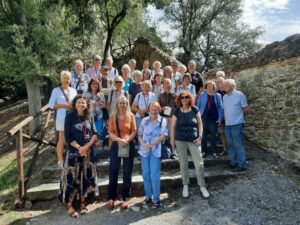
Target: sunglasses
x,y
185,97
97,59
118,82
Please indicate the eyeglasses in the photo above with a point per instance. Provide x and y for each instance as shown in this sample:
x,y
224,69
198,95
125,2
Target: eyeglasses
x,y
185,97
97,59
174,65
118,82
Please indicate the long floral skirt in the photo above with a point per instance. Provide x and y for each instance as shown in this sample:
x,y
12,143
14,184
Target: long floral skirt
x,y
78,179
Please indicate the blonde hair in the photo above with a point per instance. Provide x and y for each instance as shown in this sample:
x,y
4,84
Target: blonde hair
x,y
135,73
147,82
119,78
64,72
168,80
115,111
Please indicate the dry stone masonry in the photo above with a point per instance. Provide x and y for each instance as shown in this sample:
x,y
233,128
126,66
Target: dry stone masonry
x,y
271,81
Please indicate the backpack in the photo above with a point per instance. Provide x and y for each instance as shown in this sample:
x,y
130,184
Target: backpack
x,y
125,93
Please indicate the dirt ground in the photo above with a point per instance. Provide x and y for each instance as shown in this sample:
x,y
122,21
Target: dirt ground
x,y
267,194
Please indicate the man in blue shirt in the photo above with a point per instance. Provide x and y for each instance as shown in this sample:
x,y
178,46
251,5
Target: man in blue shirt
x,y
235,109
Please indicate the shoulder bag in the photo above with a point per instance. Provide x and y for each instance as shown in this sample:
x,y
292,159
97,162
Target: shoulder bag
x,y
123,152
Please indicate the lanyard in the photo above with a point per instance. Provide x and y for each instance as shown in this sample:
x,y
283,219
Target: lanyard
x,y
209,98
95,102
146,103
83,127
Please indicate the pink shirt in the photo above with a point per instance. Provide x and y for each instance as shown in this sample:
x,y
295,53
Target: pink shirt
x,y
94,73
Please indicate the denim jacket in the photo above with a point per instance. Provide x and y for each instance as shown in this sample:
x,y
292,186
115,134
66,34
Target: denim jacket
x,y
203,100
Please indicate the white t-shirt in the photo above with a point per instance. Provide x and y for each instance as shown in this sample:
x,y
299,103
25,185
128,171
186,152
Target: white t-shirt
x,y
144,100
113,73
58,97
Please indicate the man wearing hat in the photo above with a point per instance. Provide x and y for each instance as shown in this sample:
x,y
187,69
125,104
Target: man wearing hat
x,y
105,82
186,85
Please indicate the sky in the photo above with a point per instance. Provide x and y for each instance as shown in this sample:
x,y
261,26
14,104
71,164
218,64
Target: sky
x,y
279,18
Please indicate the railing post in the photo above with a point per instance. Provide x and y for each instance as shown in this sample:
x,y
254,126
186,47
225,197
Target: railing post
x,y
21,188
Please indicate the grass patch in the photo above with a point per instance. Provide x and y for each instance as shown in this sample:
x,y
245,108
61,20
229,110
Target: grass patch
x,y
8,177
11,218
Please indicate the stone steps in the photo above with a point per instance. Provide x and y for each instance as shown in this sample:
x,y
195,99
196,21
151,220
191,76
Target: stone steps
x,y
49,189
104,151
53,172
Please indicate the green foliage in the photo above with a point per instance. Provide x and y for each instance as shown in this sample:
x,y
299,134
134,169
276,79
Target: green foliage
x,y
211,32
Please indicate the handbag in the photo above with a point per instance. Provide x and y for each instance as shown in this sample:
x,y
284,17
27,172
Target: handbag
x,y
166,147
123,152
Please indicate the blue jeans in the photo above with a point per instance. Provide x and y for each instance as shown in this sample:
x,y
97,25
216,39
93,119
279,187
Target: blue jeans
x,y
209,126
151,175
235,143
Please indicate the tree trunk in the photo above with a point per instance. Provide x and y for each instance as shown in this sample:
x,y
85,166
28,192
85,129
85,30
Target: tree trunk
x,y
35,104
107,43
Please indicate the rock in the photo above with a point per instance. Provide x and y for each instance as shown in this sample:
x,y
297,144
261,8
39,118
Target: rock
x,y
135,208
28,205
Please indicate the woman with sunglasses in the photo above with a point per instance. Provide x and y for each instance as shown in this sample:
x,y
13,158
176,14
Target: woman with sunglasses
x,y
115,93
186,134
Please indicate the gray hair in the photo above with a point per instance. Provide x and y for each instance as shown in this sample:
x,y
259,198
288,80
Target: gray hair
x,y
137,72
125,66
110,58
98,57
192,62
78,61
221,73
157,62
132,60
183,66
231,82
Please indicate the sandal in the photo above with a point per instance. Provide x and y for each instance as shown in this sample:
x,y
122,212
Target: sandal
x,y
204,154
147,201
72,213
215,155
83,209
155,205
223,153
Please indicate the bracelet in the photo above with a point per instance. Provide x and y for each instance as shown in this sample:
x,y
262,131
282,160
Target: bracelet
x,y
90,143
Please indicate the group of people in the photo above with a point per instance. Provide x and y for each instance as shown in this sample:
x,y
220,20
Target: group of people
x,y
147,107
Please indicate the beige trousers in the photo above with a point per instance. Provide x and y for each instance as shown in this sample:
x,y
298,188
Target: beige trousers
x,y
183,148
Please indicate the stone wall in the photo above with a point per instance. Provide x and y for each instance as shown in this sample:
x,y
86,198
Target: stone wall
x,y
144,49
271,81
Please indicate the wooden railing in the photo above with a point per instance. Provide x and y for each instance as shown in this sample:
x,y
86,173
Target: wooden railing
x,y
18,131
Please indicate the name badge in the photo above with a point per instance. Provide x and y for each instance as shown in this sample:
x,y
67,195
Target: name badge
x,y
167,110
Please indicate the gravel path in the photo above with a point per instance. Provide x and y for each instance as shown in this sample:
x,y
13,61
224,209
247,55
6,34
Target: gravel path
x,y
268,194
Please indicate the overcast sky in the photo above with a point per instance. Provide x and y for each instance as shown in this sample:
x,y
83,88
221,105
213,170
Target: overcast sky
x,y
279,18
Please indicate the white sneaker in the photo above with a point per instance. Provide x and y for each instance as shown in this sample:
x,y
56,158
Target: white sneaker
x,y
185,192
204,192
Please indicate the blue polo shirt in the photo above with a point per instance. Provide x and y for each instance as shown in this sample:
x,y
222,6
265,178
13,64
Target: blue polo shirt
x,y
233,108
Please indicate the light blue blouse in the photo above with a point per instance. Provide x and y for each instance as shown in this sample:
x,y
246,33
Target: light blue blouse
x,y
150,132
